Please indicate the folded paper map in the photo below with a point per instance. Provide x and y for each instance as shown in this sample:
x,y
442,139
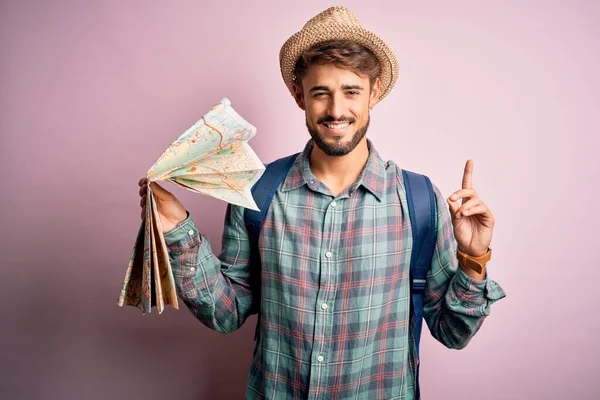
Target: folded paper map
x,y
213,158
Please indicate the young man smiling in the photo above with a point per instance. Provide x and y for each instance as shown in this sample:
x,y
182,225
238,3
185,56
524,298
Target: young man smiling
x,y
334,295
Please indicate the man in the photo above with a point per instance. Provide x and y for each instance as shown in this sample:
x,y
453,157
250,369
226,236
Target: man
x,y
335,245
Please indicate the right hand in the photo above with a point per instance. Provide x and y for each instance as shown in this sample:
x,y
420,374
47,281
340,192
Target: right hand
x,y
170,210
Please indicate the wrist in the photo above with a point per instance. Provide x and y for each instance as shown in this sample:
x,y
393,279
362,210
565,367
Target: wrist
x,y
471,253
170,225
474,263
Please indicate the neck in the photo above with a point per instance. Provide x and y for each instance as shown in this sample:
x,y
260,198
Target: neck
x,y
338,173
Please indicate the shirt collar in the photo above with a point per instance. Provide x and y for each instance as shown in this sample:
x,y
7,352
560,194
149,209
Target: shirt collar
x,y
371,178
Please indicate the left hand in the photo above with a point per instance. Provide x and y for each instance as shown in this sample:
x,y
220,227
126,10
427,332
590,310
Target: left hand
x,y
473,222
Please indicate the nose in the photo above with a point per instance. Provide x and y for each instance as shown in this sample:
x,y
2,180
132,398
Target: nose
x,y
336,109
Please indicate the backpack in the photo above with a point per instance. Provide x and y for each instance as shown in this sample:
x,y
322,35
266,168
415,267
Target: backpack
x,y
422,211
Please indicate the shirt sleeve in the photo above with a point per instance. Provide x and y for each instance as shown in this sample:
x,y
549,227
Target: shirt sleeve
x,y
216,289
455,305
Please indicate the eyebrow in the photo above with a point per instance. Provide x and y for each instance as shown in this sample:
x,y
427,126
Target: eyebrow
x,y
352,87
344,87
318,88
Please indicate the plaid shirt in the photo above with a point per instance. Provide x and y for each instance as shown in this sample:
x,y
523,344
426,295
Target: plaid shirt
x,y
335,287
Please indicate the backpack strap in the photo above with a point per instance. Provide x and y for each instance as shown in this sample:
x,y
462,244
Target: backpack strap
x,y
263,192
422,210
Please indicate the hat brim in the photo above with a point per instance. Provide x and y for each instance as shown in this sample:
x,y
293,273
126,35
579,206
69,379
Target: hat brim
x,y
309,36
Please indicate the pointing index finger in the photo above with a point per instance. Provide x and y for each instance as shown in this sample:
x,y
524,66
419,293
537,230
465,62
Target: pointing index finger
x,y
467,182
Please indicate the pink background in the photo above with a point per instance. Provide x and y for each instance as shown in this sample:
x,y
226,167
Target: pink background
x,y
92,92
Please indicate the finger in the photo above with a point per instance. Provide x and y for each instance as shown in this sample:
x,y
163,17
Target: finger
x,y
480,209
160,192
467,206
463,194
454,206
467,175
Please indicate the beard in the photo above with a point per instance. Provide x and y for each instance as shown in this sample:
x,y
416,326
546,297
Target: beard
x,y
338,148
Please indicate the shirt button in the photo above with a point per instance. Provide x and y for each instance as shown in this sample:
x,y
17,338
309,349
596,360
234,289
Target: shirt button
x,y
333,204
192,269
191,232
328,254
320,359
324,306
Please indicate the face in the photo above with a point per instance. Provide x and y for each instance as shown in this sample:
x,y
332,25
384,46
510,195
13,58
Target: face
x,y
336,103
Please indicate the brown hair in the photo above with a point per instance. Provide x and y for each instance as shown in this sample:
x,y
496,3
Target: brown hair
x,y
343,54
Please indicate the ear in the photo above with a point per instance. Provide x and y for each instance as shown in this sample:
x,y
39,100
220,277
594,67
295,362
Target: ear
x,y
375,91
298,96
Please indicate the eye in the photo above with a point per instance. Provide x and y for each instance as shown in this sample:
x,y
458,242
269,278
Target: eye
x,y
353,93
320,94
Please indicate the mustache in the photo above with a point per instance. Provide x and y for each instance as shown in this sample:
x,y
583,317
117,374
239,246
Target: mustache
x,y
329,118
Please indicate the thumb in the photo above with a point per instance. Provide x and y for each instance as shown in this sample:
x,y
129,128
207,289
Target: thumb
x,y
453,208
160,192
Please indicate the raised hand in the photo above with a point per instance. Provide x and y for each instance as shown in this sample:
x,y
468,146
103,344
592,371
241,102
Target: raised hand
x,y
472,220
170,210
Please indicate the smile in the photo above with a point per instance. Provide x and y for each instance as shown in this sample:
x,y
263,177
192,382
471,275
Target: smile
x,y
337,126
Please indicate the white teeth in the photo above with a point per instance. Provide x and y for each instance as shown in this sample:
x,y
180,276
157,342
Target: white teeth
x,y
337,126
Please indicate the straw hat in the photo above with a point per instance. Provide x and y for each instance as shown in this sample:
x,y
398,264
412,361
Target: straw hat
x,y
337,23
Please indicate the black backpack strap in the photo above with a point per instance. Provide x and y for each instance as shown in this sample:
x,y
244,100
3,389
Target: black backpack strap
x,y
262,192
422,210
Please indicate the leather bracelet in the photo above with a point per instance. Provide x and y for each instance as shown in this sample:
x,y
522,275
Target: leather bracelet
x,y
474,263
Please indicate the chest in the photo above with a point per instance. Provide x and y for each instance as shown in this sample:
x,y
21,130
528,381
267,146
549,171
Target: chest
x,y
316,238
